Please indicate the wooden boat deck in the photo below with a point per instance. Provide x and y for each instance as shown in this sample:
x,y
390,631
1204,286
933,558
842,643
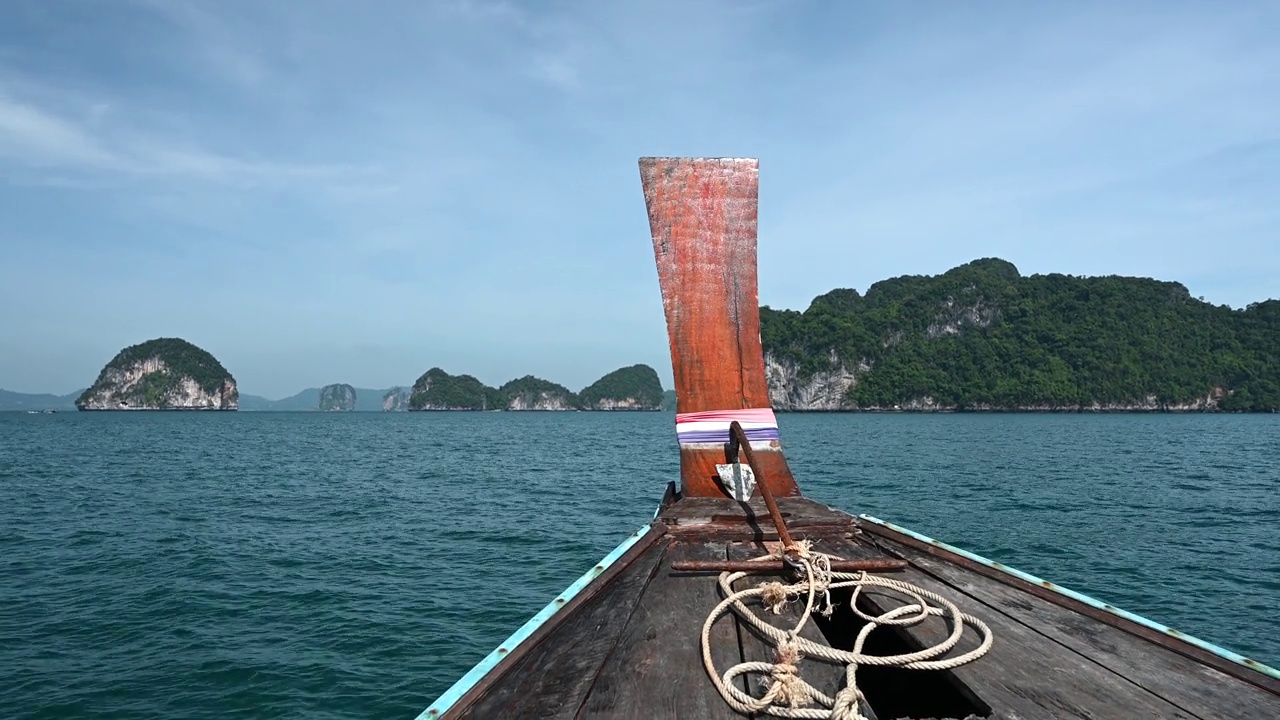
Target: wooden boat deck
x,y
629,646
624,641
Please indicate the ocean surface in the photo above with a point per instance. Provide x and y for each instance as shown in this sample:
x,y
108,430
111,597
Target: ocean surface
x,y
354,565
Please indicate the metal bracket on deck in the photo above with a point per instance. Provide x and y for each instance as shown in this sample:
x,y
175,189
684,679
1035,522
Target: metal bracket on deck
x,y
738,479
738,443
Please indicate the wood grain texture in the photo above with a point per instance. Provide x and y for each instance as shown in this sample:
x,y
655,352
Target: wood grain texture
x,y
655,670
827,677
702,216
631,648
1151,635
1026,674
796,511
553,678
711,518
545,637
1192,686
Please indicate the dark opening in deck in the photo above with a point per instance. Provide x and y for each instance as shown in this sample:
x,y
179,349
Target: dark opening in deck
x,y
629,646
895,692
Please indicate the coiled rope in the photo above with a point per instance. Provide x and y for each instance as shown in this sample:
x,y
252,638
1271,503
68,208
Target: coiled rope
x,y
788,695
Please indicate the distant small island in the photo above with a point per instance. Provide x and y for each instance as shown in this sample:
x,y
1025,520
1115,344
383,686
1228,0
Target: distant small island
x,y
395,400
531,393
162,374
339,397
631,388
979,337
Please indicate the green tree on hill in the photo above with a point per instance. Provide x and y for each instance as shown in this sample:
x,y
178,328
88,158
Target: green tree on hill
x,y
637,383
531,391
983,336
438,390
181,360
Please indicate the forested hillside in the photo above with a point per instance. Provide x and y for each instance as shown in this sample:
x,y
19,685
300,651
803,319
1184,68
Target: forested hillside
x,y
981,336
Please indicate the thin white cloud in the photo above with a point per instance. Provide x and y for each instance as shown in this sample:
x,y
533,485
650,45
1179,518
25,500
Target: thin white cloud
x,y
169,160
475,157
32,135
219,43
40,138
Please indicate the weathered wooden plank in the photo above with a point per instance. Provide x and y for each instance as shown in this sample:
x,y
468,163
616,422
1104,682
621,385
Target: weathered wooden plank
x,y
1043,591
655,669
702,216
552,679
1192,686
739,532
796,511
709,519
1026,674
652,541
894,692
849,548
827,677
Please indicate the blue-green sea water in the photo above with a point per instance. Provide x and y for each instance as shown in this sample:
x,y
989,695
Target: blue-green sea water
x,y
354,565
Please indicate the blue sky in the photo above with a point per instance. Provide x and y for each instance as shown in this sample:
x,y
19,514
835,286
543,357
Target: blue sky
x,y
332,191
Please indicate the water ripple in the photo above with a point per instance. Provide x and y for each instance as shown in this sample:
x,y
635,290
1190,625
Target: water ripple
x,y
352,566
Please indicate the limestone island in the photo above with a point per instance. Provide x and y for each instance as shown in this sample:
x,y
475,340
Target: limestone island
x,y
162,374
339,397
630,388
532,393
982,337
396,400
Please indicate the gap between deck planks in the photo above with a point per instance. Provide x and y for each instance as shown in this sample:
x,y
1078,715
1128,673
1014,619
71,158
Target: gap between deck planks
x,y
551,680
633,650
712,519
1026,674
796,511
825,676
1192,686
655,669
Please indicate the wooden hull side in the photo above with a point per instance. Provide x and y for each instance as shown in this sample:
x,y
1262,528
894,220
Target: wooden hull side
x,y
484,679
702,215
626,644
931,552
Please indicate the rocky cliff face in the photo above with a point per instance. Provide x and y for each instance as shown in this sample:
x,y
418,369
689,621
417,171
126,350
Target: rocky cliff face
x,y
533,393
1211,402
162,375
630,388
828,390
955,316
396,400
438,390
540,401
823,390
981,337
340,397
627,403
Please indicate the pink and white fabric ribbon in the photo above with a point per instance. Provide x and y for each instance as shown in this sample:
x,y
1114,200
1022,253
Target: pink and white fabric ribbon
x,y
712,426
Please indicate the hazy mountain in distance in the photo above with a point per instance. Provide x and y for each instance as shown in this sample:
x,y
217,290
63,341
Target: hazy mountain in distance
x,y
367,400
10,400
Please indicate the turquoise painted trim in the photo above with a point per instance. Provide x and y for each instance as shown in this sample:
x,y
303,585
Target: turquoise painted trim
x,y
1216,650
490,661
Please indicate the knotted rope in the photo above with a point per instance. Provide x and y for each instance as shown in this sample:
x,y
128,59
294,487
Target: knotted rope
x,y
788,695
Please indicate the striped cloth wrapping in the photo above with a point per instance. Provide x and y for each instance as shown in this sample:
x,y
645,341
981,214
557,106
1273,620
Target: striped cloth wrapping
x,y
712,426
